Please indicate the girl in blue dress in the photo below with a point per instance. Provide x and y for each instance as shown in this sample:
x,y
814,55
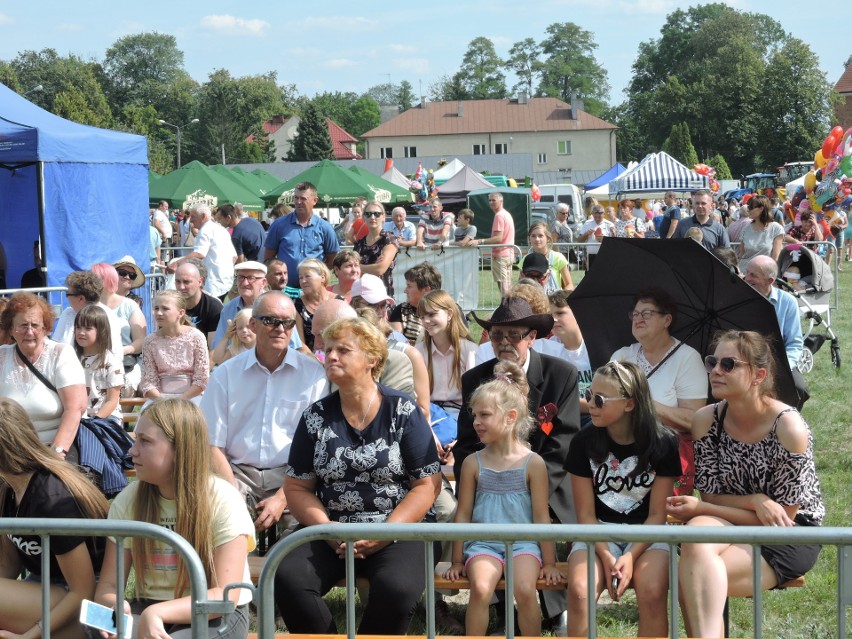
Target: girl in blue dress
x,y
504,483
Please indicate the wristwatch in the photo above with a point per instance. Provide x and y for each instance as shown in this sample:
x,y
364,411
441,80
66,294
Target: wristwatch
x,y
59,450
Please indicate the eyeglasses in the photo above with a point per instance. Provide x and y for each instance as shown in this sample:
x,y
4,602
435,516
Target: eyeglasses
x,y
599,401
373,214
727,364
276,322
126,274
511,337
249,278
26,328
645,315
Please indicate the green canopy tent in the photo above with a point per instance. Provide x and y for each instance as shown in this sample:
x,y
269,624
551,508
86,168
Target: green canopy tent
x,y
398,195
268,180
194,183
335,186
251,182
259,185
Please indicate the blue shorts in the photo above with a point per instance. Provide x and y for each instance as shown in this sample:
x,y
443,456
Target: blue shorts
x,y
618,548
497,550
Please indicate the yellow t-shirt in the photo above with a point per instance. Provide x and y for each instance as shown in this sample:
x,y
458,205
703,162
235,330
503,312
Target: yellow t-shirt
x,y
230,519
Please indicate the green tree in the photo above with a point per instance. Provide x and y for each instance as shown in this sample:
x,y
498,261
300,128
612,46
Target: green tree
x,y
722,170
141,66
334,105
384,94
570,68
481,70
312,141
363,116
524,60
9,77
679,145
449,88
405,96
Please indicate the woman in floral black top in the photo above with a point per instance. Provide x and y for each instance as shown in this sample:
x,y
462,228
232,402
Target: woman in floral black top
x,y
754,466
362,454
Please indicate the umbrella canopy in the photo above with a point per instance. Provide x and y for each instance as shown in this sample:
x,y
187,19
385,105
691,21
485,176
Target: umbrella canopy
x,y
398,195
657,173
335,185
268,180
194,183
247,180
709,298
255,183
602,180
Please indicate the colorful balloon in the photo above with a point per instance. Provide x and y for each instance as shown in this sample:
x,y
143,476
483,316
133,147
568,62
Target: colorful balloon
x,y
810,182
819,159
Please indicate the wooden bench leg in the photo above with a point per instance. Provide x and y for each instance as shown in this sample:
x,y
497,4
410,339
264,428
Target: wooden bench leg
x,y
726,620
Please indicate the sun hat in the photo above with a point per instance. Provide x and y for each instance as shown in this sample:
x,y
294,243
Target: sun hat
x,y
515,311
372,289
128,262
251,265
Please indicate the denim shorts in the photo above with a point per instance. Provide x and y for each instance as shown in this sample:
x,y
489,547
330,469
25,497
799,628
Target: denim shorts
x,y
618,548
497,550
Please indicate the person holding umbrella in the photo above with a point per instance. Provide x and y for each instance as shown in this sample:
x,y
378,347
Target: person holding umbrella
x,y
674,370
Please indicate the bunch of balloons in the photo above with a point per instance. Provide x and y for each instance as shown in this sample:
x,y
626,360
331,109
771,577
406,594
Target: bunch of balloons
x,y
830,184
423,186
710,172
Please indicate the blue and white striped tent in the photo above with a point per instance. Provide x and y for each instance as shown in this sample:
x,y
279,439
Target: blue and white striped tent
x,y
658,172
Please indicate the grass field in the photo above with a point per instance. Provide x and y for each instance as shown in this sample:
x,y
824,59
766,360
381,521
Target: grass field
x,y
802,613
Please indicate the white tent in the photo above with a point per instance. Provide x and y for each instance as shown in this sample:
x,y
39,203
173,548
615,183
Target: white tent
x,y
395,176
793,186
449,170
658,173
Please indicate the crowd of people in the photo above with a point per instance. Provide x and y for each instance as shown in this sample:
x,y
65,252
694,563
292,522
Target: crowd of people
x,y
309,397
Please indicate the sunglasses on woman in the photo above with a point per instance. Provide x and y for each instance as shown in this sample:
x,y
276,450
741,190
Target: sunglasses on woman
x,y
727,364
599,401
126,274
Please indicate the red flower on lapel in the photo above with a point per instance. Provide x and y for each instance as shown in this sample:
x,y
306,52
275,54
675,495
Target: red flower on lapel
x,y
544,416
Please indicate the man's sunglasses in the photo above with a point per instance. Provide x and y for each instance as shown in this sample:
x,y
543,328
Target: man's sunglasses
x,y
598,401
727,364
126,274
277,322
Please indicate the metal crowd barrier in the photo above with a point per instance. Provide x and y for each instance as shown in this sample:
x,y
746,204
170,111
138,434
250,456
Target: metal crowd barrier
x,y
671,535
201,606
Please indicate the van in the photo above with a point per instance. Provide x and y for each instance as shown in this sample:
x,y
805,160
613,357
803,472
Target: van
x,y
553,194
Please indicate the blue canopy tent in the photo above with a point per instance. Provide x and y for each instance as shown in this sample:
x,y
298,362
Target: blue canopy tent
x,y
80,191
609,175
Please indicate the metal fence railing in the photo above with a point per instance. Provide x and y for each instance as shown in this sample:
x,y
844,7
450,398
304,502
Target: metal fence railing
x,y
672,535
119,530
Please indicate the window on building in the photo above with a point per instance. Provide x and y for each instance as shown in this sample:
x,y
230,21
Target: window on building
x,y
386,152
563,147
542,158
501,149
410,151
480,149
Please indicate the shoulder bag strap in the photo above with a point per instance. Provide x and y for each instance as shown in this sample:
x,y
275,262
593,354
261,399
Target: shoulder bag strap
x,y
34,370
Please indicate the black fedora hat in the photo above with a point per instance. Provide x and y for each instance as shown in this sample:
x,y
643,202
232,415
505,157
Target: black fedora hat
x,y
516,311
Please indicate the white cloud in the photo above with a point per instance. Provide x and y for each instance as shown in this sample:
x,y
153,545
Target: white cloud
x,y
340,23
4,19
234,25
69,27
409,65
338,63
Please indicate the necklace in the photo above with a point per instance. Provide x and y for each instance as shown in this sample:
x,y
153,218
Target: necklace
x,y
367,412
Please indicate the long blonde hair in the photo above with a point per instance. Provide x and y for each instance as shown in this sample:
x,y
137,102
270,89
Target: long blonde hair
x,y
184,426
24,453
179,300
456,331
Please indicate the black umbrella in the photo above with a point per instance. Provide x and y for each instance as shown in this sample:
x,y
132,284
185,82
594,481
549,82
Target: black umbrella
x,y
709,298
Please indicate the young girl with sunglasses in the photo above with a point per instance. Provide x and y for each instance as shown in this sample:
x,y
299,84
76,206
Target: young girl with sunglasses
x,y
622,470
503,483
175,359
104,371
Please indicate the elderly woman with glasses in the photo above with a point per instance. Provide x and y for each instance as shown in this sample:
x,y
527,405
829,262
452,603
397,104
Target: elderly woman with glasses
x,y
674,370
43,376
754,466
313,278
763,235
378,248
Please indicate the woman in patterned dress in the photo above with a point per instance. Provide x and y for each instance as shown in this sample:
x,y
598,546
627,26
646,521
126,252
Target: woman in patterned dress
x,y
754,467
378,248
364,454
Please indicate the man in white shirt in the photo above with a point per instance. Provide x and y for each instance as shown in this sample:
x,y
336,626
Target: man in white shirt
x,y
253,404
213,247
405,231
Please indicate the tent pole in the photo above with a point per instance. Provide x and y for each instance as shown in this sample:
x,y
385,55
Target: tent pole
x,y
41,223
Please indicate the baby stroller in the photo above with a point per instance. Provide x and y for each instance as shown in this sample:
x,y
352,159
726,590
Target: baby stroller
x,y
806,275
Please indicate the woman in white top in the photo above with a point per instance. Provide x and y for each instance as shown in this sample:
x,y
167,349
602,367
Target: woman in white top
x,y
762,236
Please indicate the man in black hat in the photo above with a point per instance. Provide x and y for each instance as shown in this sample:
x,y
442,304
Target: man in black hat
x,y
553,401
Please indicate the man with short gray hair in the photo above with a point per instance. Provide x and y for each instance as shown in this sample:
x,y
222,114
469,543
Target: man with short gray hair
x,y
213,247
405,231
715,235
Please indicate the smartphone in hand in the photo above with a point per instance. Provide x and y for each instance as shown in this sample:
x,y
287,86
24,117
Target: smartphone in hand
x,y
97,616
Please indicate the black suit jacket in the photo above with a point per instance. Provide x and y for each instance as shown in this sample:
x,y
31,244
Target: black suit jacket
x,y
552,381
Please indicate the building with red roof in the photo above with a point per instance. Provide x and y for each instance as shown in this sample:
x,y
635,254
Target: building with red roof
x,y
843,112
281,131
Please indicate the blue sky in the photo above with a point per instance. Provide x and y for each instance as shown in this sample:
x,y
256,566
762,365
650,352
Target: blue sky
x,y
336,46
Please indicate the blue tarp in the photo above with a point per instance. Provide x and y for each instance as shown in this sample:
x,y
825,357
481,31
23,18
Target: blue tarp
x,y
80,190
608,176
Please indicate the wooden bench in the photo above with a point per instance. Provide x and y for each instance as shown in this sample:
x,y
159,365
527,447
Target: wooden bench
x,y
128,404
